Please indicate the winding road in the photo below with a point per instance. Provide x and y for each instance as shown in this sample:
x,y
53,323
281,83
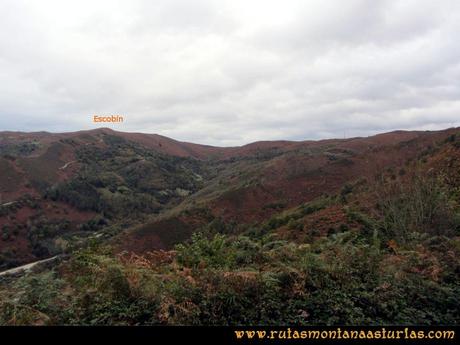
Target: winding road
x,y
26,268
66,165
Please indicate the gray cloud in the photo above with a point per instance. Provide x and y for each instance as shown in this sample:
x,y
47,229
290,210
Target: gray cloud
x,y
231,72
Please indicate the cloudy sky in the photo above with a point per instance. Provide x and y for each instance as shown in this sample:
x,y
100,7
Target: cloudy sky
x,y
231,72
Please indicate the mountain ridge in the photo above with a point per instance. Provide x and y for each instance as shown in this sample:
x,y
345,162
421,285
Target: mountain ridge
x,y
184,148
140,229
101,174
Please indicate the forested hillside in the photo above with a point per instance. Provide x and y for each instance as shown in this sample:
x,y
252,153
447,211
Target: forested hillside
x,y
153,231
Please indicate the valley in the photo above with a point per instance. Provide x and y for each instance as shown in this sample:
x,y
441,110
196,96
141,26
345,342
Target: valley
x,y
192,231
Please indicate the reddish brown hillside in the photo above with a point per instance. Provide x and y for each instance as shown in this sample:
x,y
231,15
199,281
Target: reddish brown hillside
x,y
246,184
257,186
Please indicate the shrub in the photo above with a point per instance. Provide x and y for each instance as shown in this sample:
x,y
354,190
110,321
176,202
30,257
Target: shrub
x,y
201,250
421,206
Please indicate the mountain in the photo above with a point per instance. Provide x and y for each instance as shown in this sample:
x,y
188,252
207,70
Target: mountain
x,y
132,228
151,192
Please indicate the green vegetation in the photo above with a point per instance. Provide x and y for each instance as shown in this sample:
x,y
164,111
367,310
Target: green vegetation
x,y
127,179
424,206
14,150
342,279
371,275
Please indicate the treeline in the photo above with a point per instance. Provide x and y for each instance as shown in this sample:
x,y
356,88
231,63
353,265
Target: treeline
x,y
84,195
126,179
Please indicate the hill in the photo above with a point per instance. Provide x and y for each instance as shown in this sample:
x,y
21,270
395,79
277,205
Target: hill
x,y
224,221
89,179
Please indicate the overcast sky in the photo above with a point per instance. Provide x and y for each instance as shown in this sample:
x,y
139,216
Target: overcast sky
x,y
231,72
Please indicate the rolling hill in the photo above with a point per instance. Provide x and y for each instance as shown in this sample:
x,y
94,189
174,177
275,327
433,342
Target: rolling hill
x,y
152,192
143,229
